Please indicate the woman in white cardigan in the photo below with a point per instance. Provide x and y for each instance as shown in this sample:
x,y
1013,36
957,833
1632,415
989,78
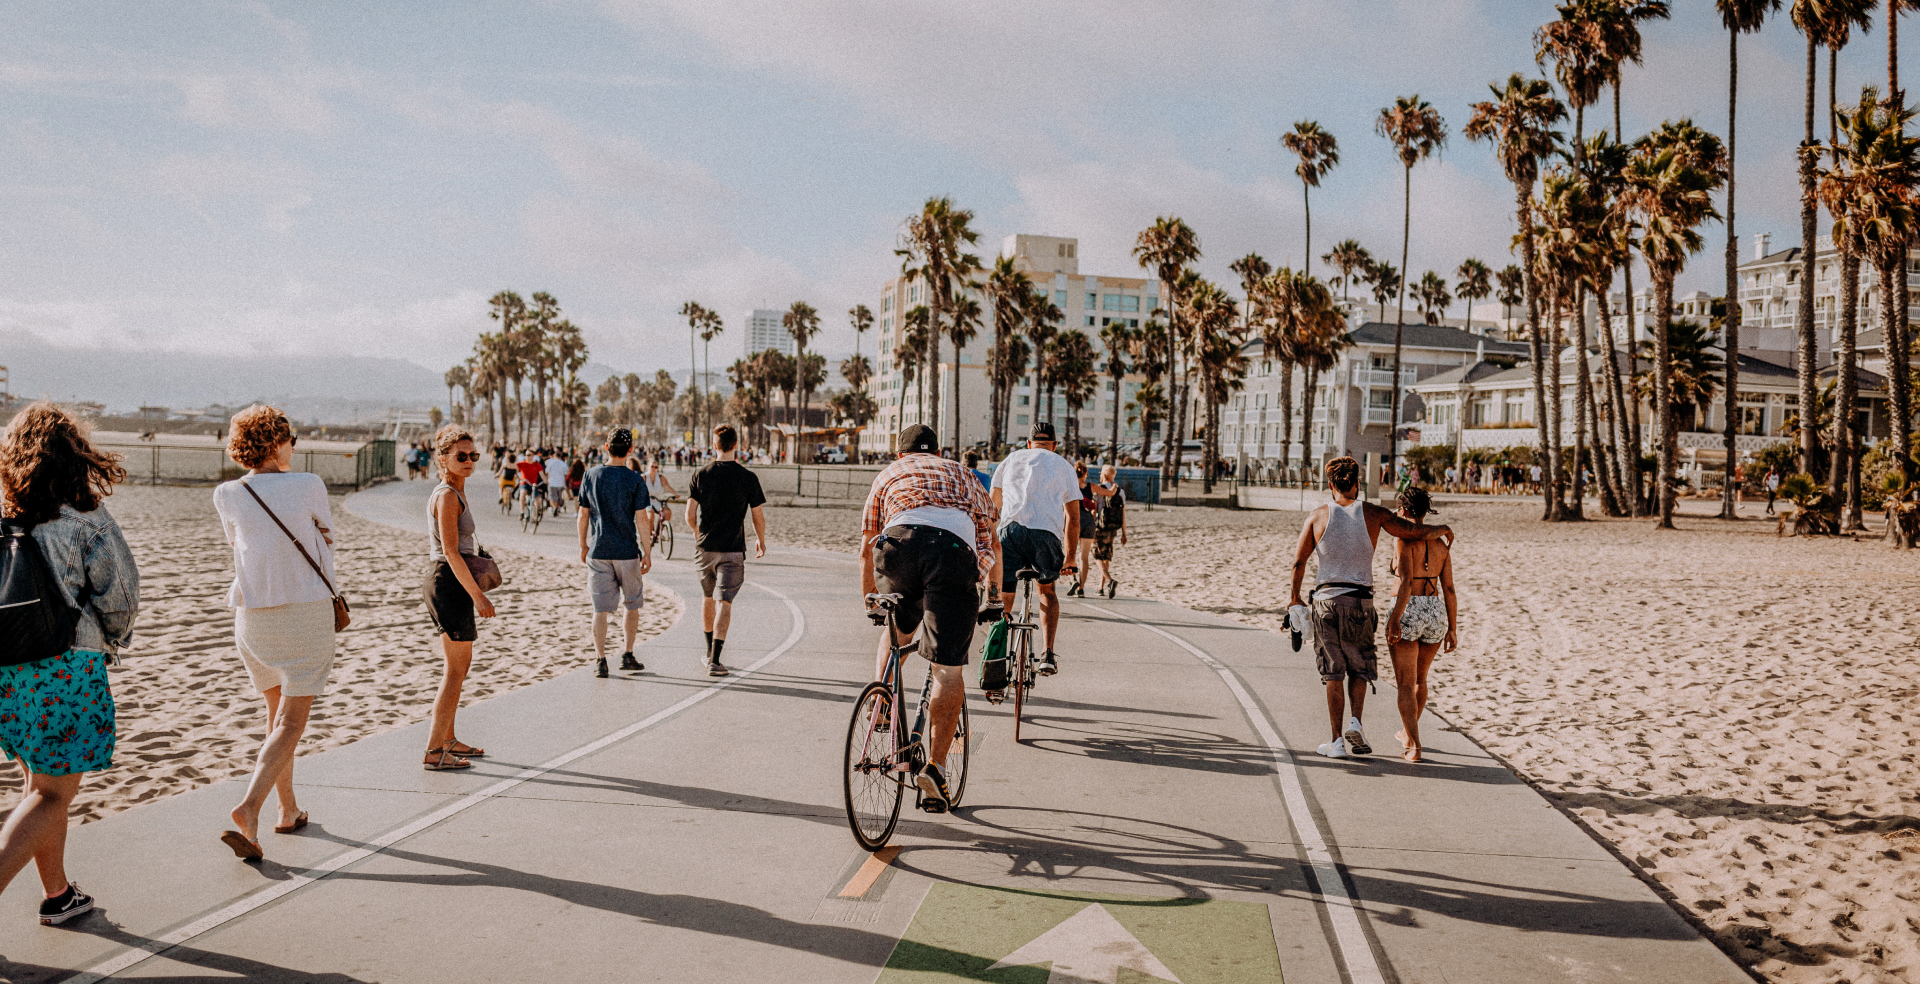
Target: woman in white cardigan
x,y
283,607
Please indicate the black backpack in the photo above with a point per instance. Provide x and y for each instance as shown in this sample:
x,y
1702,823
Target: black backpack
x,y
1111,514
36,622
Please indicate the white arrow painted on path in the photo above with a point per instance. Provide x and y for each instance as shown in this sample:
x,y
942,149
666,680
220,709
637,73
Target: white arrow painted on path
x,y
1089,948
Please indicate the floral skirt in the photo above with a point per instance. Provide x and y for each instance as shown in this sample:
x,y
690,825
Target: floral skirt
x,y
56,715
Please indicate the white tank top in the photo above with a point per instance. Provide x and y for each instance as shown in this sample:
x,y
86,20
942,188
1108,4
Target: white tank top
x,y
1345,549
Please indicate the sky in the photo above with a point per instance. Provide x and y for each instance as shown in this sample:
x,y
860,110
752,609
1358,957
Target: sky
x,y
328,179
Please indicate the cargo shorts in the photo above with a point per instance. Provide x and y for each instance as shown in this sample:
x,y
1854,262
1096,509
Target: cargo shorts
x,y
1343,631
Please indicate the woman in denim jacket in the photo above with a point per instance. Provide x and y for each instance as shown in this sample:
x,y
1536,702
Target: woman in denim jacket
x,y
56,715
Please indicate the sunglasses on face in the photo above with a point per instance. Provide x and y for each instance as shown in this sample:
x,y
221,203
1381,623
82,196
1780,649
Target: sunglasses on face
x,y
466,456
294,441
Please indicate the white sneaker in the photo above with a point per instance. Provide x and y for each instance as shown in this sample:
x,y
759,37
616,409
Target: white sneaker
x,y
1356,741
1336,748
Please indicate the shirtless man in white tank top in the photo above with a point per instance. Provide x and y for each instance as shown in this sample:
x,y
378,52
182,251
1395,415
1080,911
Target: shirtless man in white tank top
x,y
1344,533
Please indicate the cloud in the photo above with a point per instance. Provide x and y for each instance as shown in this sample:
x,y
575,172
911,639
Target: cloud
x,y
278,186
259,101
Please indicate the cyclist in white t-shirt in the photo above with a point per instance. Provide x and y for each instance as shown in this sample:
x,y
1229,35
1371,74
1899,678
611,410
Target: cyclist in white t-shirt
x,y
1037,495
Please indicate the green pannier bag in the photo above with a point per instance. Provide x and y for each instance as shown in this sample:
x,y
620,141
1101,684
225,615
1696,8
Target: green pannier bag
x,y
994,672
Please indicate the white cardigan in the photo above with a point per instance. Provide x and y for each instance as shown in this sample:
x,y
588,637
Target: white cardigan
x,y
267,570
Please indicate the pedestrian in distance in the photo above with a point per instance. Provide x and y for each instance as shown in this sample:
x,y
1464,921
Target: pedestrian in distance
x,y
1088,502
1343,533
1425,619
613,505
455,599
280,528
1037,497
972,460
56,708
1109,524
720,497
1773,488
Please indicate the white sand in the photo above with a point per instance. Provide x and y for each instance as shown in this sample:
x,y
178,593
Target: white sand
x,y
1728,710
188,715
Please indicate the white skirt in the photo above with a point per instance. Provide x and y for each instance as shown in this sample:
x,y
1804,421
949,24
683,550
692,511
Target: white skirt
x,y
287,646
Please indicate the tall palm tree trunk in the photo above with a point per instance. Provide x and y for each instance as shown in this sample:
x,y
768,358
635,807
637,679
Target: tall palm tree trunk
x,y
1286,419
1663,395
1845,391
1893,277
1806,359
1169,472
1399,322
1731,323
1307,390
1535,340
1551,475
1113,422
1582,406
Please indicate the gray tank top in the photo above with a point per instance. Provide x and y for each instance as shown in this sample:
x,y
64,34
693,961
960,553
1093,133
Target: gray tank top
x,y
435,550
1346,551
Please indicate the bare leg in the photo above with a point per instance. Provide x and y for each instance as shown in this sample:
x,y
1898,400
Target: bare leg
x,y
1050,607
1406,657
275,762
283,786
1357,695
38,830
949,692
706,613
722,617
600,634
1336,706
1106,573
459,656
632,628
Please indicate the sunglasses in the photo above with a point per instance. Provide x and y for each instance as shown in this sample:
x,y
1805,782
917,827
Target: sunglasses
x,y
466,456
294,441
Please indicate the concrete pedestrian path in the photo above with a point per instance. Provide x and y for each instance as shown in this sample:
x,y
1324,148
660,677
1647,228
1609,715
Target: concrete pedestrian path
x,y
1164,818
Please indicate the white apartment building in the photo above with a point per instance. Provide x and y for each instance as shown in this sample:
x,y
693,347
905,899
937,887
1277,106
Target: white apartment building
x,y
1087,303
763,332
1770,302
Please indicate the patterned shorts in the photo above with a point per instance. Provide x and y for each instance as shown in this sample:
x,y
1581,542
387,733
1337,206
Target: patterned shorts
x,y
56,715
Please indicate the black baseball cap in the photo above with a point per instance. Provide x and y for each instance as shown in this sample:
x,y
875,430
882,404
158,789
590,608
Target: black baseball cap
x,y
1043,431
916,439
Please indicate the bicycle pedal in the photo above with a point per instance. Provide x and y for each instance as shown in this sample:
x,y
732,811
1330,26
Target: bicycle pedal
x,y
996,696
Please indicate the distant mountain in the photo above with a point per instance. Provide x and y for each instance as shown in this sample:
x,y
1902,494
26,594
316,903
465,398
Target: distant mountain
x,y
312,389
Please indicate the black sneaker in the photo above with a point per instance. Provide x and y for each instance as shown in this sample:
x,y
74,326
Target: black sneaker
x,y
600,667
716,668
628,663
70,904
933,789
1048,664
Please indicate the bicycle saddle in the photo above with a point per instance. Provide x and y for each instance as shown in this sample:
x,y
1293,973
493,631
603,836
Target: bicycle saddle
x,y
1028,574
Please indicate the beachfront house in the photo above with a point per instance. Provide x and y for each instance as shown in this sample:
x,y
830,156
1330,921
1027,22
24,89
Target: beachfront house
x,y
1352,411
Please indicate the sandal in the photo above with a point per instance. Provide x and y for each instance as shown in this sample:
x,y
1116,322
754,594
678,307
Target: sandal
x,y
465,750
288,828
441,764
1412,754
243,848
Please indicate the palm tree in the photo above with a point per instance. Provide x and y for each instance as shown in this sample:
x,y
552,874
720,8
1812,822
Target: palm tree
x,y
1385,281
1607,229
861,318
1512,290
507,308
1317,347
1042,320
802,322
1253,270
962,326
455,378
1284,305
910,353
1212,325
710,326
1823,22
1318,153
1693,368
1076,372
1417,132
1117,338
696,315
934,250
1670,181
1433,297
1169,246
1740,17
1010,291
1475,283
1351,259
1518,121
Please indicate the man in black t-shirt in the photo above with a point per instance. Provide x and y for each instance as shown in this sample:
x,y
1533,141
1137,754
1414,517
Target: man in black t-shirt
x,y
719,499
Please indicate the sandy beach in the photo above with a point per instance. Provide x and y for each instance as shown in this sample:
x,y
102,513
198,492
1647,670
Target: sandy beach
x,y
1728,710
187,714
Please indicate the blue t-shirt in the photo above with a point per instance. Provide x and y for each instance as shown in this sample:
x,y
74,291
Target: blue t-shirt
x,y
612,494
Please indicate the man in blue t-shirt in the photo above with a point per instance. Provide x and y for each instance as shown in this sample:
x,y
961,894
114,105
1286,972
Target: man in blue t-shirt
x,y
612,498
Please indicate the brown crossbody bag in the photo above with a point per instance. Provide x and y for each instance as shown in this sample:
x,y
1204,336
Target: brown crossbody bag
x,y
342,615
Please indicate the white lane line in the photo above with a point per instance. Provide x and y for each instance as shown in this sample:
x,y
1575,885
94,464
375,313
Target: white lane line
x,y
213,920
1342,908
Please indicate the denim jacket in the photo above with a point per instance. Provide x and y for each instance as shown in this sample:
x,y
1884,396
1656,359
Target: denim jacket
x,y
87,554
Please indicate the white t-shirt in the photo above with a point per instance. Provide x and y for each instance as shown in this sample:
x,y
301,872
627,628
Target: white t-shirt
x,y
943,517
556,472
267,570
1036,487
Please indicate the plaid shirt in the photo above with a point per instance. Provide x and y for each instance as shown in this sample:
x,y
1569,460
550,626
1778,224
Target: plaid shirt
x,y
929,480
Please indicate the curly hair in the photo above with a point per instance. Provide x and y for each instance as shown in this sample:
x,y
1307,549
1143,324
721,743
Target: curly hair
x,y
47,462
446,437
1415,501
258,432
1343,473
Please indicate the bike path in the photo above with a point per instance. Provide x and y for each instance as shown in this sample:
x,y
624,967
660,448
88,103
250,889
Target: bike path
x,y
1145,823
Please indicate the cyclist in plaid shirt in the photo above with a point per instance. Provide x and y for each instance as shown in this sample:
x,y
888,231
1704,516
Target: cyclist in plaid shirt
x,y
927,535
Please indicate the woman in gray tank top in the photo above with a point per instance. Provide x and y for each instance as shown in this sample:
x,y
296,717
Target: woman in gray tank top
x,y
453,597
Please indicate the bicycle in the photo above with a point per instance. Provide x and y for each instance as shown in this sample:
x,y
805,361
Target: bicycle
x,y
663,531
1020,648
883,755
533,507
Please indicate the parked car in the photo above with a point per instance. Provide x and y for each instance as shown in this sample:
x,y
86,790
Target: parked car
x,y
833,456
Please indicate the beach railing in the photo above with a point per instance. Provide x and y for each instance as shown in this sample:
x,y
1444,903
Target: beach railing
x,y
161,462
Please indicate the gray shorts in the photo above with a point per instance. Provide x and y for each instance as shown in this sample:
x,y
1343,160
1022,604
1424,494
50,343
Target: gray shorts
x,y
612,582
727,570
1343,630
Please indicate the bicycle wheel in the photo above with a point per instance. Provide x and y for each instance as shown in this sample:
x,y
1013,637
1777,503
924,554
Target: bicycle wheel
x,y
872,795
666,533
1020,647
958,755
539,513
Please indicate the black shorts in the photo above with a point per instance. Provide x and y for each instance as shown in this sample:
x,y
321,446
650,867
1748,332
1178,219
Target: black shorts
x,y
1021,547
937,578
449,604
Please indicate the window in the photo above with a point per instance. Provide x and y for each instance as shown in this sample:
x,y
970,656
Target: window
x,y
1060,298
1062,247
1020,418
1130,302
1026,401
886,303
1093,300
1090,321
1070,248
1133,322
1379,399
1153,303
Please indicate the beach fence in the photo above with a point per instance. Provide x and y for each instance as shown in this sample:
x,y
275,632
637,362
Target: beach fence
x,y
186,459
816,485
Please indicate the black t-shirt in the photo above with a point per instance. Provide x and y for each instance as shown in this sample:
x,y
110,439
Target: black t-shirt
x,y
725,491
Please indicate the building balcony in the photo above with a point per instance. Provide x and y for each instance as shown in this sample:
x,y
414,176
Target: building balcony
x,y
1376,416
1368,376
